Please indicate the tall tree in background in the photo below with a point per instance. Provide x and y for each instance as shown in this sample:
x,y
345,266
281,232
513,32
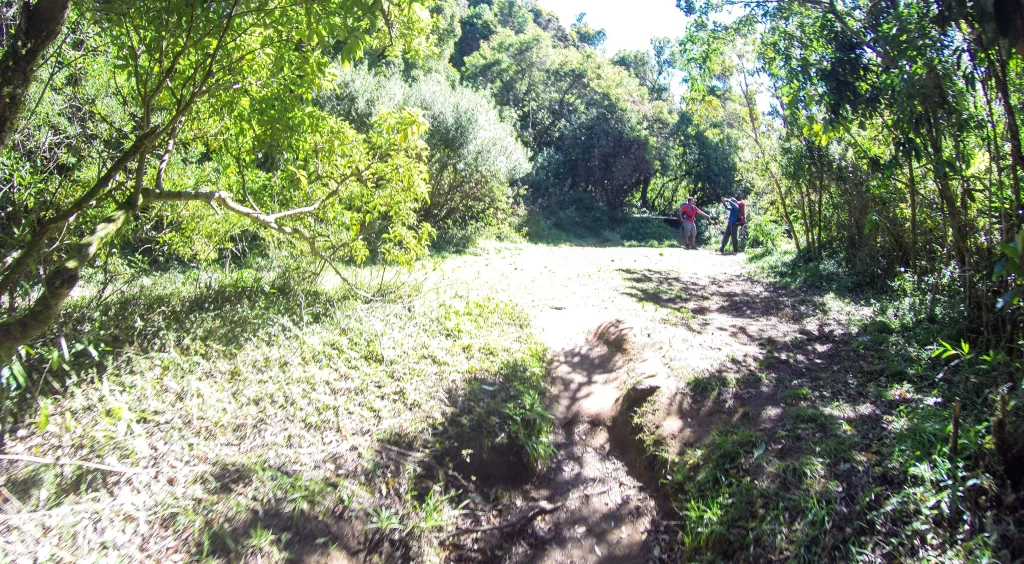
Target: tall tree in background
x,y
653,70
591,123
897,143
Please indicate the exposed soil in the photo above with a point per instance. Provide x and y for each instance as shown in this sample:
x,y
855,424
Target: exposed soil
x,y
626,325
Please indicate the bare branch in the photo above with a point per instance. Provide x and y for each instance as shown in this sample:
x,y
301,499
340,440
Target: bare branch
x,y
228,202
312,208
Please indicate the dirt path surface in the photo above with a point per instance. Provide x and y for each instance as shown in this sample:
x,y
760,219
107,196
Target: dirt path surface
x,y
615,319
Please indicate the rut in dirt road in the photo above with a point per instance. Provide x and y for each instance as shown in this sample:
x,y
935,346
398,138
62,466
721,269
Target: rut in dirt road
x,y
625,325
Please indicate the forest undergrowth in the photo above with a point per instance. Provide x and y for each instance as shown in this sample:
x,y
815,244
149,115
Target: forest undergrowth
x,y
252,415
258,414
888,445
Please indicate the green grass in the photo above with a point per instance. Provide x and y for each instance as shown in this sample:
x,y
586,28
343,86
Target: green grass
x,y
253,406
782,266
856,465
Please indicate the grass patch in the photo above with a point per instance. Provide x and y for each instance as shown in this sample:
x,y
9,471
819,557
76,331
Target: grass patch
x,y
854,461
738,502
253,406
707,387
796,395
784,267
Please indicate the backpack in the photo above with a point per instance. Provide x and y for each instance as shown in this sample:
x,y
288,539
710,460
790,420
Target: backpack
x,y
743,213
688,213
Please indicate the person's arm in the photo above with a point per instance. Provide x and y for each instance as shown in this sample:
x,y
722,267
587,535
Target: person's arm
x,y
679,212
700,211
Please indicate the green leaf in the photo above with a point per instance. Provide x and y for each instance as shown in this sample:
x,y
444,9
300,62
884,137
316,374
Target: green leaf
x,y
18,371
44,415
1010,298
997,271
1011,250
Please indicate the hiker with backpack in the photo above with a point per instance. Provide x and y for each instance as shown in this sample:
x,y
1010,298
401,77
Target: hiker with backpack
x,y
688,216
737,217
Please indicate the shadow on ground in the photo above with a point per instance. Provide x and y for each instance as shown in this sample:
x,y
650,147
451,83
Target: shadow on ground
x,y
795,451
288,518
738,297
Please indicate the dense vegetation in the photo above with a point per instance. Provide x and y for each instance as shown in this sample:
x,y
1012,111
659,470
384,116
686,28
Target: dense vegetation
x,y
142,144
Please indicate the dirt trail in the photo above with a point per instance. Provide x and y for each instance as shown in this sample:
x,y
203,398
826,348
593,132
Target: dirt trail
x,y
614,317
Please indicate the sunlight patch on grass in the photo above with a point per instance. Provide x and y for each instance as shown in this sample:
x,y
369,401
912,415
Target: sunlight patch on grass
x,y
251,407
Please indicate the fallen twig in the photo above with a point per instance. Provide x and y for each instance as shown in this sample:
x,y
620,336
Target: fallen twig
x,y
542,508
93,465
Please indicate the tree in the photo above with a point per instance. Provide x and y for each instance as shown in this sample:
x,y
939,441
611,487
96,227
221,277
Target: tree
x,y
592,120
652,70
477,25
38,26
585,36
183,69
474,155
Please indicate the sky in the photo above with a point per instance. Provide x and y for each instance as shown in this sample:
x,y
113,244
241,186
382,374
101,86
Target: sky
x,y
629,24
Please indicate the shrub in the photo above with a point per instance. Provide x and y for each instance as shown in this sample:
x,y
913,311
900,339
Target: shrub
x,y
764,234
646,231
474,154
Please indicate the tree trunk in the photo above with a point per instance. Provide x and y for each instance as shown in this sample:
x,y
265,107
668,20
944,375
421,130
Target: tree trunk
x,y
39,26
58,285
807,225
643,194
756,132
821,200
952,209
1012,131
785,208
913,219
47,228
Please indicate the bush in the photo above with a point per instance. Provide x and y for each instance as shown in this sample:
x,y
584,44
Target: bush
x,y
646,231
577,214
764,234
474,154
577,218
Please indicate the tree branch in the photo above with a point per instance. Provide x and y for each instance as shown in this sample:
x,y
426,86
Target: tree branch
x,y
46,229
227,201
312,208
530,514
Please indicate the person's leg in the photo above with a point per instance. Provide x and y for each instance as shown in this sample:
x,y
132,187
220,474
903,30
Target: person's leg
x,y
735,239
725,238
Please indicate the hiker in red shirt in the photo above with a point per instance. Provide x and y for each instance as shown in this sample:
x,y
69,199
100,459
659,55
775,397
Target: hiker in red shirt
x,y
688,215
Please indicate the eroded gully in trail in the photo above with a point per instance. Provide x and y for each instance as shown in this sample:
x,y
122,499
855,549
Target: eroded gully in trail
x,y
618,319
